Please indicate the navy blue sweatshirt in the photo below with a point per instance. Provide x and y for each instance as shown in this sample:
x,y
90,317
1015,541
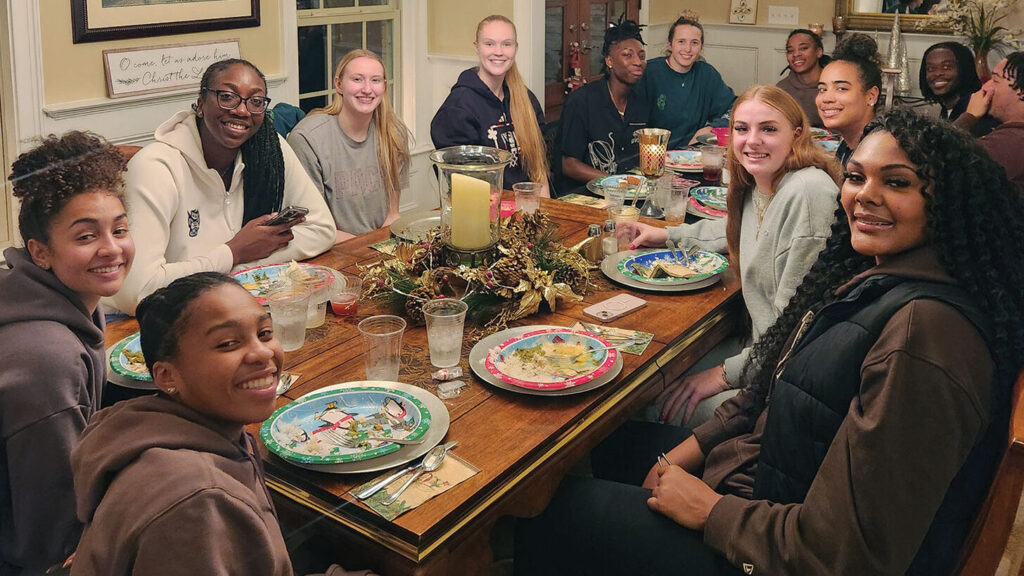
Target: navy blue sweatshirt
x,y
473,115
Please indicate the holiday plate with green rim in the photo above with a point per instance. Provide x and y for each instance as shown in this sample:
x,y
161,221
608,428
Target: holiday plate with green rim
x,y
703,265
332,427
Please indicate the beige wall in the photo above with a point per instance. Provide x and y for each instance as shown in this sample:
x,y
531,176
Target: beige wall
x,y
717,11
74,72
451,24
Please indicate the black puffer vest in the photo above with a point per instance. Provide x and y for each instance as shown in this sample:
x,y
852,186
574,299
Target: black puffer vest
x,y
819,379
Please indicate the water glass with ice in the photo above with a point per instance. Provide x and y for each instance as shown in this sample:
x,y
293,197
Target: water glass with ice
x,y
527,196
289,306
382,346
446,318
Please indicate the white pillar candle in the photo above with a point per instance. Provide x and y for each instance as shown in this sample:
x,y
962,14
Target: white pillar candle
x,y
471,210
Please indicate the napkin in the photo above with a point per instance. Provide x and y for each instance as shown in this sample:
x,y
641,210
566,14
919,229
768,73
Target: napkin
x,y
617,335
584,200
387,246
453,471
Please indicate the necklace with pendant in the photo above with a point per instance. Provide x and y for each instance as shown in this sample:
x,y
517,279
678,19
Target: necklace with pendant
x,y
761,202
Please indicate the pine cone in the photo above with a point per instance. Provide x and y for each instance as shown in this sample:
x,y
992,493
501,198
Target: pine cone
x,y
414,303
507,272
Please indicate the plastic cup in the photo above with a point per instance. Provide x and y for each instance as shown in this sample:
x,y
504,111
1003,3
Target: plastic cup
x,y
678,197
721,135
317,281
712,158
345,294
446,319
289,308
382,346
527,196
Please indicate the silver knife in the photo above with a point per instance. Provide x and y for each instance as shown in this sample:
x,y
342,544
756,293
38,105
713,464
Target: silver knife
x,y
370,491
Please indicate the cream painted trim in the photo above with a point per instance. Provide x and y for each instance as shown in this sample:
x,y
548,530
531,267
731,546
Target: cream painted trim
x,y
7,220
26,71
99,105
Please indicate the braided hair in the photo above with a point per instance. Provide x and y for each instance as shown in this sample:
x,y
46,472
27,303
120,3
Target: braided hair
x,y
617,32
1014,72
163,313
263,177
975,221
48,176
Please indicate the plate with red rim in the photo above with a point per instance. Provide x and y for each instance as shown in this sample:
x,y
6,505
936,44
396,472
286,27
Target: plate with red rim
x,y
698,209
550,359
684,160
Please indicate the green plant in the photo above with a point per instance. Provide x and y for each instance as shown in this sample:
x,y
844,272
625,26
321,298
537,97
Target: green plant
x,y
978,21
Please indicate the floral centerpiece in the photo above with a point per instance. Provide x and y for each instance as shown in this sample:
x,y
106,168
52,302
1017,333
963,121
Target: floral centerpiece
x,y
979,22
530,268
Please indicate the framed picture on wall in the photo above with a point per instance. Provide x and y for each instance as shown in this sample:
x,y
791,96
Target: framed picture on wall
x,y
743,12
99,20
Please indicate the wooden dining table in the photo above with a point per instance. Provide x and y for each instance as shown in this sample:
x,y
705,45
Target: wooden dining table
x,y
522,445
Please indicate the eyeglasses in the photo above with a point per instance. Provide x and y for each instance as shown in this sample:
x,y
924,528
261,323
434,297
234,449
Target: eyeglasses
x,y
228,100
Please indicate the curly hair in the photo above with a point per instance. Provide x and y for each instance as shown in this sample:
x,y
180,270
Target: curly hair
x,y
862,51
803,153
46,178
263,178
967,81
1013,71
163,314
975,221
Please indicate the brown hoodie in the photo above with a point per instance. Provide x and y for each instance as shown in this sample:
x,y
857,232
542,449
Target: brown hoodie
x,y
164,490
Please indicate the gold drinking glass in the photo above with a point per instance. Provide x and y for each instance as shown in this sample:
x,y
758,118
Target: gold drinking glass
x,y
653,144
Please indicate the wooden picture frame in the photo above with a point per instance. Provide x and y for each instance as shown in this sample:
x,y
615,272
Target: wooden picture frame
x,y
858,18
101,20
743,12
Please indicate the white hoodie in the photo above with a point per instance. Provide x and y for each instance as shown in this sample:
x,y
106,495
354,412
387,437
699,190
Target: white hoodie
x,y
182,218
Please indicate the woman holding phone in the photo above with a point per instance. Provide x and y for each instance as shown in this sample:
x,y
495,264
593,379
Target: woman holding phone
x,y
202,195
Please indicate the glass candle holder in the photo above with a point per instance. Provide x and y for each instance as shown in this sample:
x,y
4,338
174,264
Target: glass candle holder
x,y
653,144
470,180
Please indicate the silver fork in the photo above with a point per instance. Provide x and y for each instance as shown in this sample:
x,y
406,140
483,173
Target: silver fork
x,y
672,250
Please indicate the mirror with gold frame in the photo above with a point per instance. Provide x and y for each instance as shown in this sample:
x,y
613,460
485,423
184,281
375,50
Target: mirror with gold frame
x,y
878,14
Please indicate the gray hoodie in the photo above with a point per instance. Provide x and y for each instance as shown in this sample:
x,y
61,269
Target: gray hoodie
x,y
54,368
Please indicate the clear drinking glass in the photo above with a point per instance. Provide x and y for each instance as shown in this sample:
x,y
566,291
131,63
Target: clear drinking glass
x,y
289,308
713,160
446,319
382,346
678,198
345,294
527,196
317,281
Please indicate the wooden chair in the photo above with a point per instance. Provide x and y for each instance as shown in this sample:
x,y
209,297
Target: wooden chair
x,y
996,544
128,150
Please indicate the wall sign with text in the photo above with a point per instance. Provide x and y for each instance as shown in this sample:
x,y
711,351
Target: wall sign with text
x,y
132,71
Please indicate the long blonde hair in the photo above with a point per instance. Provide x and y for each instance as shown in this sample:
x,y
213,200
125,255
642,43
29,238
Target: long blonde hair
x,y
392,135
803,154
524,119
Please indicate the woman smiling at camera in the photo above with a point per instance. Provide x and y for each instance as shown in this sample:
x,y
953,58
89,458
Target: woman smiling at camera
x,y
781,204
848,91
685,93
172,483
78,249
805,58
201,196
875,408
490,105
357,149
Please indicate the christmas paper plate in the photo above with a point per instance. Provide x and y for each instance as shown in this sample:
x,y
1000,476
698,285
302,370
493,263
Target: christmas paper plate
x,y
630,185
333,427
703,265
710,196
697,209
683,160
126,360
550,359
260,280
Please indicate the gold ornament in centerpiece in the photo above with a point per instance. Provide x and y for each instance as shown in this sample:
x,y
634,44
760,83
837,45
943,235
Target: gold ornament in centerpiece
x,y
529,267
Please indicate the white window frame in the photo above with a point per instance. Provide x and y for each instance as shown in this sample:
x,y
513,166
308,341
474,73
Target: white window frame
x,y
326,16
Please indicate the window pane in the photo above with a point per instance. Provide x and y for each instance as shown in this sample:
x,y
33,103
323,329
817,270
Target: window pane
x,y
308,104
307,4
373,2
554,24
379,39
313,73
598,22
344,38
339,3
